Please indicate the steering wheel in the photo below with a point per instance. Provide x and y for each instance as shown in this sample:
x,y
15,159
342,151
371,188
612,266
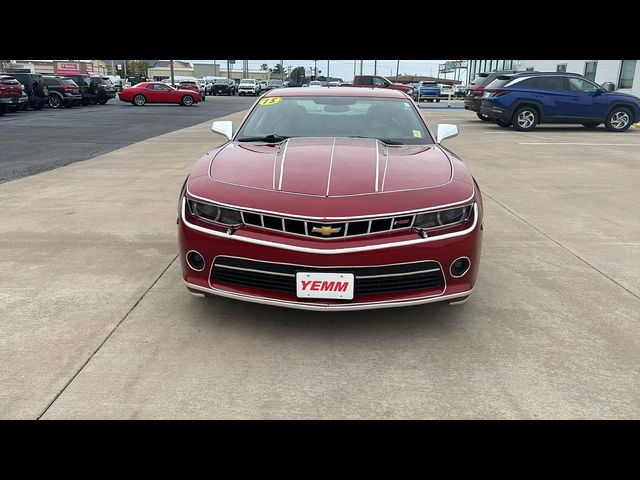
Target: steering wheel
x,y
378,129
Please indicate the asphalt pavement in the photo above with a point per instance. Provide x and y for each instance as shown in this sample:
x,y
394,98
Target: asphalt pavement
x,y
35,141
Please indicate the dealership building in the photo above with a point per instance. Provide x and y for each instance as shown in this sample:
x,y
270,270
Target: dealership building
x,y
625,74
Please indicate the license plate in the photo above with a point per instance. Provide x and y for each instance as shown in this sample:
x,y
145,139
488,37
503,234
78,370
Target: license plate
x,y
325,285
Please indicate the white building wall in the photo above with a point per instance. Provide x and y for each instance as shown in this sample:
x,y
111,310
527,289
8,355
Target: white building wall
x,y
607,71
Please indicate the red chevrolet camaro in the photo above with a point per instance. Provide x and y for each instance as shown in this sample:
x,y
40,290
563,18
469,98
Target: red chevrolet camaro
x,y
158,92
331,199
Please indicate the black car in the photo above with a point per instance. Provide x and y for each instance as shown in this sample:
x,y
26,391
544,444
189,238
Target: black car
x,y
473,97
104,90
63,91
87,89
35,88
225,86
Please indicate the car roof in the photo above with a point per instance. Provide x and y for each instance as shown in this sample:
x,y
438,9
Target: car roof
x,y
542,74
337,92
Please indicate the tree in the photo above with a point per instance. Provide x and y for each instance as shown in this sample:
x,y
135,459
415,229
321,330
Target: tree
x,y
264,67
137,68
277,69
297,75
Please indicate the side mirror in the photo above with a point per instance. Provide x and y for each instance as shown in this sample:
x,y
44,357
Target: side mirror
x,y
446,130
225,128
609,86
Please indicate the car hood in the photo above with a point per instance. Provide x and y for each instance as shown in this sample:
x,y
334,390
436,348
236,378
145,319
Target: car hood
x,y
331,166
315,178
626,96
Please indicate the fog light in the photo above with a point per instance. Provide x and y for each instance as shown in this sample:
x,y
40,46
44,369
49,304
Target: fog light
x,y
459,267
195,261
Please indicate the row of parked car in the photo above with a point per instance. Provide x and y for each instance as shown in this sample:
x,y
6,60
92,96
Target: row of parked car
x,y
18,91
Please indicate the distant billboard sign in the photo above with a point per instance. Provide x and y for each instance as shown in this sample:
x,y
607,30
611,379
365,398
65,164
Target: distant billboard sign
x,y
67,68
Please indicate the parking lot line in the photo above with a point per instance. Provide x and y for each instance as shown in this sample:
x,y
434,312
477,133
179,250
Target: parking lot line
x,y
580,143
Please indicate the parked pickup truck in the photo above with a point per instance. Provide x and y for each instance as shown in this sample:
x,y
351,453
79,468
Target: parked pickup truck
x,y
376,81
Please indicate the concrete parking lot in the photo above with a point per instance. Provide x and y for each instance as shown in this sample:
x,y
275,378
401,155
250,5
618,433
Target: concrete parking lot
x,y
96,323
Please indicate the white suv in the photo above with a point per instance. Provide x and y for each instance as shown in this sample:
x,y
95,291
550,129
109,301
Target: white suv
x,y
248,86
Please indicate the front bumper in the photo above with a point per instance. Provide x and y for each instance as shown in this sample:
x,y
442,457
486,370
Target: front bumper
x,y
411,249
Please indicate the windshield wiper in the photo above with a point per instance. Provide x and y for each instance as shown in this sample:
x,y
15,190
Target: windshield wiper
x,y
383,140
273,138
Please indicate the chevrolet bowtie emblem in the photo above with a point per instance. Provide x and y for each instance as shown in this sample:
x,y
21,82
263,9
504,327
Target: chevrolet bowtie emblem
x,y
326,231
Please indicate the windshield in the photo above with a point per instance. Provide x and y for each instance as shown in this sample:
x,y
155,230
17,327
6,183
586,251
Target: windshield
x,y
248,80
480,79
394,121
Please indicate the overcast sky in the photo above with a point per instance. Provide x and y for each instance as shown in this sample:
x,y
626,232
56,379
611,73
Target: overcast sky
x,y
344,68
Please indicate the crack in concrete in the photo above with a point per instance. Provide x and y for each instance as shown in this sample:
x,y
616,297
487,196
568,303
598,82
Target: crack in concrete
x,y
133,307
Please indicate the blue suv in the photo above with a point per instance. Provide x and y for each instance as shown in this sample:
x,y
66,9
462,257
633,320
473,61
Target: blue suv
x,y
526,99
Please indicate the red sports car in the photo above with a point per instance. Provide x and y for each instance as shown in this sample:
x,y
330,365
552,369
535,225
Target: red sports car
x,y
158,92
331,199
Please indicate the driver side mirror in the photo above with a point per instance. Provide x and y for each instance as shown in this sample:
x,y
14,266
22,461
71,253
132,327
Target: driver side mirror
x,y
609,86
446,130
225,128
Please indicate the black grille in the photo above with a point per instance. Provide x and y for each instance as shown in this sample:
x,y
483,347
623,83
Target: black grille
x,y
328,230
368,280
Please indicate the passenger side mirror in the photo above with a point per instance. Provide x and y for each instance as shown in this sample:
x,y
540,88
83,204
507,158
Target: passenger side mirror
x,y
225,128
446,130
609,86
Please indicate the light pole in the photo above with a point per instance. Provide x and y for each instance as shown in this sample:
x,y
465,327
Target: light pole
x,y
397,70
327,71
361,62
315,69
375,67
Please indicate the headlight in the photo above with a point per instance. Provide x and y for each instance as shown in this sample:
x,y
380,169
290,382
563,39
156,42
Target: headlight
x,y
213,213
441,218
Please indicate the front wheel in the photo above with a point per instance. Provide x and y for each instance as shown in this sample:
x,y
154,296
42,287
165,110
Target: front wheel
x,y
483,117
525,119
503,123
618,120
187,100
104,102
437,100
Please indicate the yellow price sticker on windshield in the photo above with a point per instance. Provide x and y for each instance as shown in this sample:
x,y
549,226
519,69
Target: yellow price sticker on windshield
x,y
270,100
417,133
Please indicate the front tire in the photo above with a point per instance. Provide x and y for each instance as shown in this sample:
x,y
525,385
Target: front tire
x,y
525,119
187,100
483,117
103,102
618,120
139,100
